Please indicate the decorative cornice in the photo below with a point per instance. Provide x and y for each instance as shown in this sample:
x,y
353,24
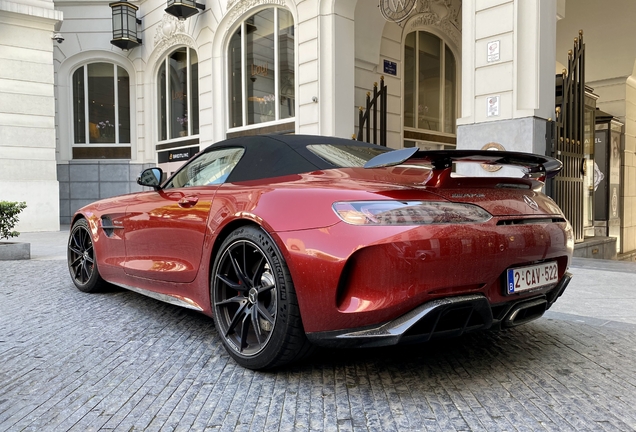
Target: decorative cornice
x,y
32,11
237,8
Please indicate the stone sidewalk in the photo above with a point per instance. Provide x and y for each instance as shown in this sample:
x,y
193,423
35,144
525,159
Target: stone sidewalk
x,y
120,361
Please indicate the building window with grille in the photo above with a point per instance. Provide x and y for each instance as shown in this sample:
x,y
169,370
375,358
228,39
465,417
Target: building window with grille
x,y
430,90
101,112
262,69
178,95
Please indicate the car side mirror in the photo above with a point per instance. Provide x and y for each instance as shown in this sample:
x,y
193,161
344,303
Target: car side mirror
x,y
150,177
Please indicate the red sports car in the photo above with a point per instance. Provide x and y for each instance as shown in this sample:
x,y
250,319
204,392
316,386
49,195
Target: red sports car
x,y
294,241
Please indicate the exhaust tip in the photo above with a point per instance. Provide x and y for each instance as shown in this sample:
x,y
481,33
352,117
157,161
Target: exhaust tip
x,y
525,312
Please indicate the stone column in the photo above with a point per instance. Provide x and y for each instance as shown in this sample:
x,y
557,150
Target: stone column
x,y
335,85
508,78
326,67
27,111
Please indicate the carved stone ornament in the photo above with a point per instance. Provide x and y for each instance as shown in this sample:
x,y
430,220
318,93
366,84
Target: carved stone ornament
x,y
170,33
443,14
396,10
237,8
168,27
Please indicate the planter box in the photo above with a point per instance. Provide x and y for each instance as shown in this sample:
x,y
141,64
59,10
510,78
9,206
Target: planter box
x,y
15,251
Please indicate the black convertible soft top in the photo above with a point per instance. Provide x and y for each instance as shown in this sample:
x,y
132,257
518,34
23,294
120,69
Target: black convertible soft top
x,y
269,156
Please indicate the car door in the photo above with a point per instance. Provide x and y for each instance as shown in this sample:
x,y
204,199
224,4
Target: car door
x,y
165,229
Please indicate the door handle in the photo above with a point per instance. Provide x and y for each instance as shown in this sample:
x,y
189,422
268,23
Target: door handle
x,y
188,201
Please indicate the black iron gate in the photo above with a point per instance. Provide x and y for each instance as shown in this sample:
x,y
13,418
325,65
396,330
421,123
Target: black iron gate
x,y
376,106
565,136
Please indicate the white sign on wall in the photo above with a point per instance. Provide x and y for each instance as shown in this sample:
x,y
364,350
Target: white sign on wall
x,y
493,51
493,106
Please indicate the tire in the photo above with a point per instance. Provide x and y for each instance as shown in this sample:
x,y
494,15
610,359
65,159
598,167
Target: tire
x,y
82,264
254,302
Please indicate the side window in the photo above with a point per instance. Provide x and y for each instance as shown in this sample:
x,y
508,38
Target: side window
x,y
208,169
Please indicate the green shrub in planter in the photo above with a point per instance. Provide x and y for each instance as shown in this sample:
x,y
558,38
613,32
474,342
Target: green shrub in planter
x,y
9,212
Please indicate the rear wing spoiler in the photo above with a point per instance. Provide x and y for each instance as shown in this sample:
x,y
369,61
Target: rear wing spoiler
x,y
533,165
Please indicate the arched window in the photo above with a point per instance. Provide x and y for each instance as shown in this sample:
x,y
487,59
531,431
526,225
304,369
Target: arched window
x,y
261,69
101,112
178,95
430,85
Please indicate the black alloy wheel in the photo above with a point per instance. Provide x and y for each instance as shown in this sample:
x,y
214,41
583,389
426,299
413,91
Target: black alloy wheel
x,y
81,258
254,302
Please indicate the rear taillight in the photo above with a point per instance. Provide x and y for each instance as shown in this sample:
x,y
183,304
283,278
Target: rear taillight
x,y
408,212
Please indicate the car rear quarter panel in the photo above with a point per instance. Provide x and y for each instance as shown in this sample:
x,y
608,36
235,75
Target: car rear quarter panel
x,y
300,202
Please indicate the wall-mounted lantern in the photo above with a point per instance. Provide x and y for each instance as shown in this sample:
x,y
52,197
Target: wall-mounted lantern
x,y
183,9
125,25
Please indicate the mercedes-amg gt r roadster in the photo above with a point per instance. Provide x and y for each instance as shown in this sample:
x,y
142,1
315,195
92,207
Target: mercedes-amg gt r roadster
x,y
289,242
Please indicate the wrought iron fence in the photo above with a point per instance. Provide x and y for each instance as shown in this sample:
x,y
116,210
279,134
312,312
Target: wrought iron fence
x,y
375,107
565,138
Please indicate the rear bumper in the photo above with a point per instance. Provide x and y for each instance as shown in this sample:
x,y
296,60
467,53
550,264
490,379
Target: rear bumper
x,y
359,277
444,318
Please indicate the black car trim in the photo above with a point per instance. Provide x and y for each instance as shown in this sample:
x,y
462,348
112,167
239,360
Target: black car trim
x,y
393,332
441,318
442,159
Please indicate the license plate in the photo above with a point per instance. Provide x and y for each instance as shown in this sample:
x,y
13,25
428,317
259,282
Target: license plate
x,y
530,277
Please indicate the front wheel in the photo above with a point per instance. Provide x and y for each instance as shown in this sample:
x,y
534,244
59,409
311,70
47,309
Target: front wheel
x,y
254,302
81,258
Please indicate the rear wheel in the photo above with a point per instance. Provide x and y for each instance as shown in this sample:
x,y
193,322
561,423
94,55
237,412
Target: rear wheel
x,y
255,308
81,258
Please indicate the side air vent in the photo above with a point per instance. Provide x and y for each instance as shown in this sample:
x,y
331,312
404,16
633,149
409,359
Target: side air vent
x,y
530,221
109,227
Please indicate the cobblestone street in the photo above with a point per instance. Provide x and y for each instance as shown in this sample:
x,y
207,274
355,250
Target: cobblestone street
x,y
121,361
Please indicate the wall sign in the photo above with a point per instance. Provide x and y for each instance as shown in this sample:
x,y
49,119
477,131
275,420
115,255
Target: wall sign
x,y
390,68
493,51
177,155
493,106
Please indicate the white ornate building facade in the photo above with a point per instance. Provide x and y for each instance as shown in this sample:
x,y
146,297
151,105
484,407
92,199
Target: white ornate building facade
x,y
79,119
